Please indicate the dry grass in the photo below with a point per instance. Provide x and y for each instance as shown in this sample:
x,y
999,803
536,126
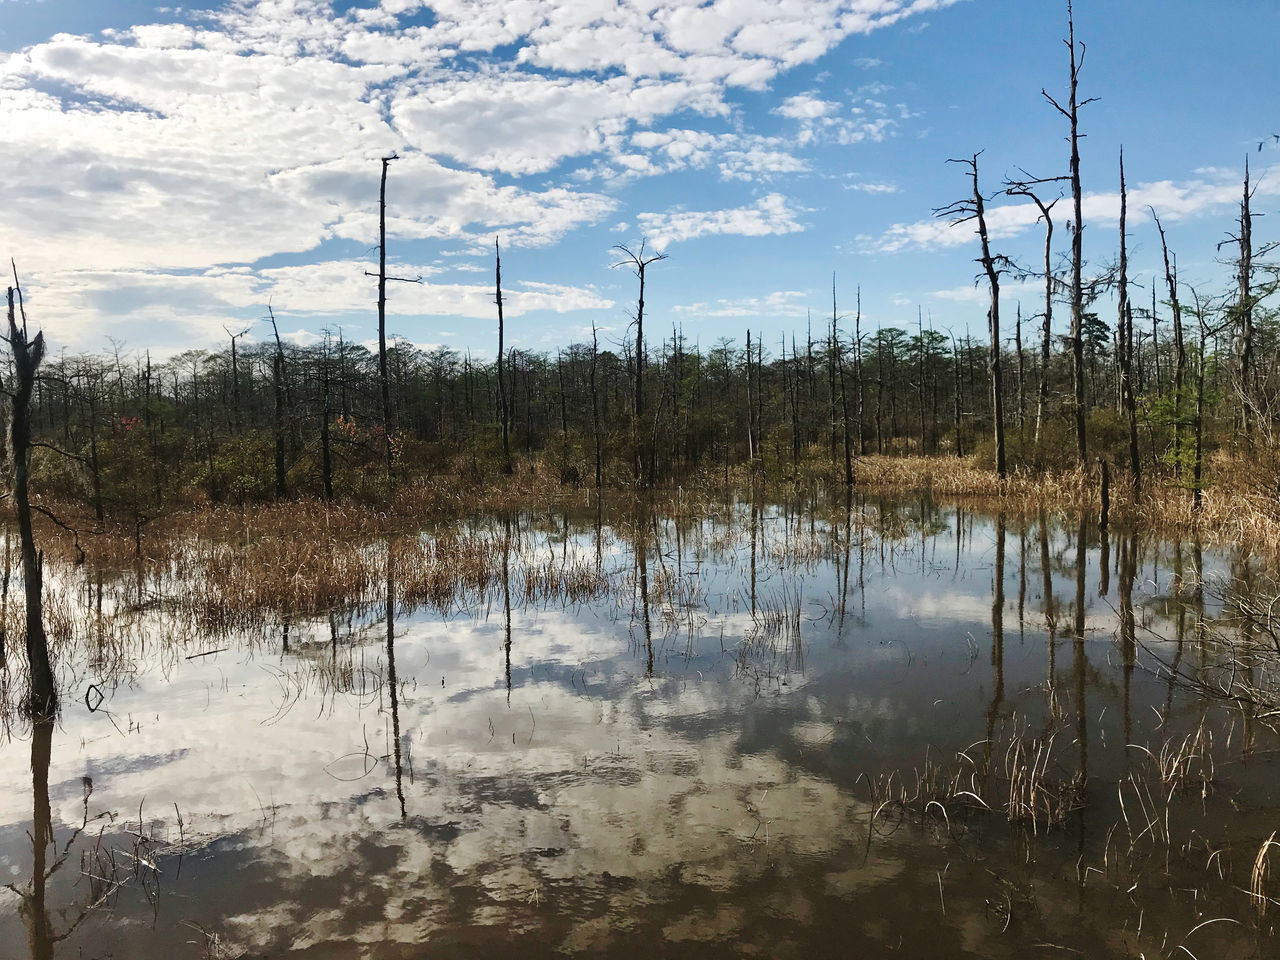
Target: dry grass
x,y
1236,508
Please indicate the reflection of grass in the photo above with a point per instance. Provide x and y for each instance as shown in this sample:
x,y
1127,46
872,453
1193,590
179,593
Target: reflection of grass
x,y
774,644
1027,788
212,945
1173,833
1260,874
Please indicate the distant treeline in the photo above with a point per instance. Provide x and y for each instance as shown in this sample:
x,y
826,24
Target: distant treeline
x,y
257,421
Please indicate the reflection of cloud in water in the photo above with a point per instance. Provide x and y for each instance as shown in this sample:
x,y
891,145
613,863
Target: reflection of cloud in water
x,y
713,796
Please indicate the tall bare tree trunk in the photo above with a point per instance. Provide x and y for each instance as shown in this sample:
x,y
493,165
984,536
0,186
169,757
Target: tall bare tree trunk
x,y
1179,341
595,399
751,432
1072,114
384,379
955,393
857,374
973,209
1022,392
277,389
326,411
504,407
42,696
1124,343
844,398
1245,303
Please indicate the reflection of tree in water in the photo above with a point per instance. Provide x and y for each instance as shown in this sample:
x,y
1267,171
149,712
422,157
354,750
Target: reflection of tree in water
x,y
47,858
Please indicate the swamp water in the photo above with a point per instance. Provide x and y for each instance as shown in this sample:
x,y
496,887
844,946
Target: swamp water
x,y
898,730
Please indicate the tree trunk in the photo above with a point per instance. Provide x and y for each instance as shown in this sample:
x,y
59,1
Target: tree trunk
x,y
42,696
595,400
751,438
326,458
277,388
1179,344
384,380
504,408
1124,344
844,398
1072,114
1244,305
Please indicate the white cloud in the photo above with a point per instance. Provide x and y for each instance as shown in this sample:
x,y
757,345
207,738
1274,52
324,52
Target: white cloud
x,y
193,308
780,303
167,149
864,119
806,107
1172,201
769,215
979,292
874,188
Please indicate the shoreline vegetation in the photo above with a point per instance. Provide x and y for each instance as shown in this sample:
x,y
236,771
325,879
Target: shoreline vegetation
x,y
1234,511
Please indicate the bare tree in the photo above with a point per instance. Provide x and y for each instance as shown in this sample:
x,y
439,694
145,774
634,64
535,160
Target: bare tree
x,y
384,379
1023,189
1124,342
595,399
1179,340
42,696
1247,299
1072,113
844,398
973,208
235,379
638,262
504,408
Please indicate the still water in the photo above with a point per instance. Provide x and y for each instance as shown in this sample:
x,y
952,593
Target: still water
x,y
896,729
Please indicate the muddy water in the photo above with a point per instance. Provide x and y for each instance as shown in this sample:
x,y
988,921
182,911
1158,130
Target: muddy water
x,y
768,734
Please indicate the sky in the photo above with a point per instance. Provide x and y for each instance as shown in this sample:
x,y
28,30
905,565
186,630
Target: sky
x,y
168,172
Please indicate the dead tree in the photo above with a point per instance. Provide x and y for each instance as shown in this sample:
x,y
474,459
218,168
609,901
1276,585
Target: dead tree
x,y
1124,342
1244,305
504,408
326,411
1072,113
1023,189
235,380
1246,301
844,398
973,209
857,374
277,389
1179,340
1203,308
751,426
1022,383
384,379
42,695
638,262
595,400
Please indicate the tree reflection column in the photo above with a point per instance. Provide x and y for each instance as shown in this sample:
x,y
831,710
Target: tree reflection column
x,y
393,687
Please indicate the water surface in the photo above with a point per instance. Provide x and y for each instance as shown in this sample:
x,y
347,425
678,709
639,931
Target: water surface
x,y
772,732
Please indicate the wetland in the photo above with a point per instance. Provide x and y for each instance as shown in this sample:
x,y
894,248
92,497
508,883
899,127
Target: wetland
x,y
780,726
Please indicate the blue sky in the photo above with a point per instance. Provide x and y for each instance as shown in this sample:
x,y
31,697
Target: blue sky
x,y
170,170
